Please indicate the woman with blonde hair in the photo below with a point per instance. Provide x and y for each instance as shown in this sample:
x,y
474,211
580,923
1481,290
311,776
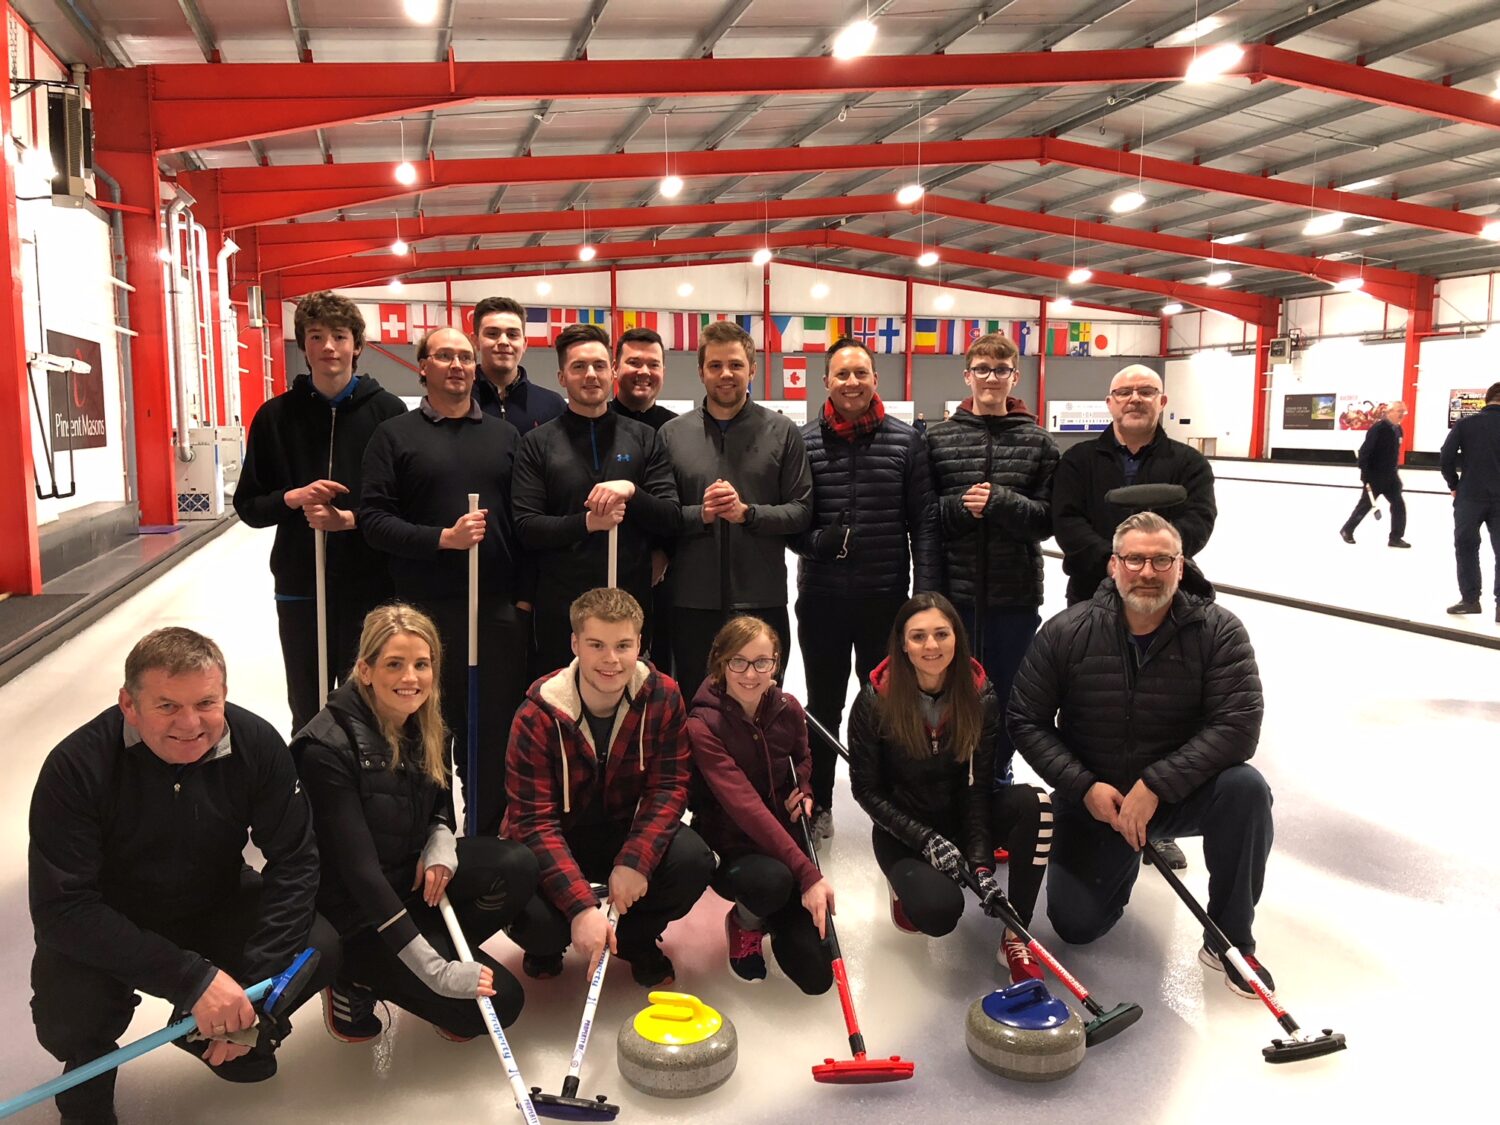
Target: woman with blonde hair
x,y
749,741
373,764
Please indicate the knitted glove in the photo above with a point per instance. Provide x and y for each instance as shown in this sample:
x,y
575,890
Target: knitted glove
x,y
990,894
441,849
940,852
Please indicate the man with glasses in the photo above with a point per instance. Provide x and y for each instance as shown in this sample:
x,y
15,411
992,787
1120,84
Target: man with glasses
x,y
578,476
992,469
1146,738
418,472
1379,460
502,388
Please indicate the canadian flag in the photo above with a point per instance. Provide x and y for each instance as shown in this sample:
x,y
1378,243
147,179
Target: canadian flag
x,y
395,324
794,377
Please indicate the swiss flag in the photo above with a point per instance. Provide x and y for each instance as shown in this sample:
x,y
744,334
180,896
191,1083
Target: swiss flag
x,y
395,324
794,377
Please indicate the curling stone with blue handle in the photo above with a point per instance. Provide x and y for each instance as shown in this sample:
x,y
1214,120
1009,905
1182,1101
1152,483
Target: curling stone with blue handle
x,y
1025,1033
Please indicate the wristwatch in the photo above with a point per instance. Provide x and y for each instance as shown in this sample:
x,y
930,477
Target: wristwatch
x,y
749,515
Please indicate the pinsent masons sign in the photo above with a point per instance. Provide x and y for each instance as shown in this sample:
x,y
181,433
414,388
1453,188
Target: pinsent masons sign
x,y
76,401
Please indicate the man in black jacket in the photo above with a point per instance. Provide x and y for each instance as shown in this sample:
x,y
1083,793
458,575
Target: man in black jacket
x,y
1379,458
578,476
302,475
502,388
1142,708
1471,466
874,515
992,469
137,875
419,470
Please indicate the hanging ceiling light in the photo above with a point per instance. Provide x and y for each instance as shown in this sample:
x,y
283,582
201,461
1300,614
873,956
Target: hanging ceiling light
x,y
1063,303
1218,277
543,288
406,175
685,289
909,194
670,186
1171,308
856,39
1326,223
420,11
1194,31
399,247
1360,185
1349,284
1231,239
943,302
1491,231
819,290
587,253
1126,201
927,258
1212,64
1080,275
761,256
397,285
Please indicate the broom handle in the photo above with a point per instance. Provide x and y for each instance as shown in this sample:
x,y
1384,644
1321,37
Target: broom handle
x,y
471,788
320,570
613,570
586,1025
840,975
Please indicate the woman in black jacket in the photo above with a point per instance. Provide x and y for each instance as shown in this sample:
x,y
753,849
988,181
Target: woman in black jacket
x,y
922,741
373,764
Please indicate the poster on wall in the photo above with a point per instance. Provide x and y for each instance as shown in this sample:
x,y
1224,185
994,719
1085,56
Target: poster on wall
x,y
1462,403
1356,413
1308,412
76,399
1077,417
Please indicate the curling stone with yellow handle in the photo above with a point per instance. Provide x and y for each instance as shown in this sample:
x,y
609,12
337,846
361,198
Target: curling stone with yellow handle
x,y
678,1047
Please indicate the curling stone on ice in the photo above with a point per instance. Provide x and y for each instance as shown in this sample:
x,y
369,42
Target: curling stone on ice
x,y
1025,1033
678,1047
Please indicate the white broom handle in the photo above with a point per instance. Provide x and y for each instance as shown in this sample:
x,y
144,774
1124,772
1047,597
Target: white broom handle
x,y
614,556
320,566
474,591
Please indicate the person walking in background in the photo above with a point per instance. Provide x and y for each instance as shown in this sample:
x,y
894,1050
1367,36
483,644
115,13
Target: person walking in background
x,y
1471,466
1379,457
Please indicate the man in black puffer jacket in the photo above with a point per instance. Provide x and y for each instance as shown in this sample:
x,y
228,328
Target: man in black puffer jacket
x,y
992,468
874,516
1141,708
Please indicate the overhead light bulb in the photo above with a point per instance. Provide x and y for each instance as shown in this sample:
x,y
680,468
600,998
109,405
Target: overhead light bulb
x,y
420,11
909,194
1360,185
397,285
1231,239
1349,284
819,290
670,186
685,289
587,253
927,258
1080,275
1126,201
1063,303
854,40
1194,31
1172,308
399,247
1491,231
943,302
1211,64
1326,223
406,174
1218,277
761,256
543,288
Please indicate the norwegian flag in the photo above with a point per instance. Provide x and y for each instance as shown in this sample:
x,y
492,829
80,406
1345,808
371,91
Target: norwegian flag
x,y
794,377
395,324
865,329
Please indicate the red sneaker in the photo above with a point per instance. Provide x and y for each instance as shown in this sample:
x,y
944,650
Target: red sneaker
x,y
898,914
1016,956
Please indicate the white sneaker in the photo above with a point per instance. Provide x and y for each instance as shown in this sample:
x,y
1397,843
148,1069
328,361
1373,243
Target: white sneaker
x,y
822,825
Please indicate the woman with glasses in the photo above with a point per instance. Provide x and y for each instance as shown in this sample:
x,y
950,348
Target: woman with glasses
x,y
754,782
922,752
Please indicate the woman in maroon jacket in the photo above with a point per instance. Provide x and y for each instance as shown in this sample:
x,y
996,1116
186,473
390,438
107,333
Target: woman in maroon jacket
x,y
749,741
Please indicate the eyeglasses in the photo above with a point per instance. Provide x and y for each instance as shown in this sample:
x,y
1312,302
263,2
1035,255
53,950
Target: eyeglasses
x,y
1125,394
448,355
983,373
1137,563
760,664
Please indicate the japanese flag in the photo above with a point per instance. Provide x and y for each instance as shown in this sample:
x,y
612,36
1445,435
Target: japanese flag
x,y
794,377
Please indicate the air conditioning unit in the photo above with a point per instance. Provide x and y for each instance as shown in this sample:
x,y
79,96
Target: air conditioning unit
x,y
1281,350
200,482
70,139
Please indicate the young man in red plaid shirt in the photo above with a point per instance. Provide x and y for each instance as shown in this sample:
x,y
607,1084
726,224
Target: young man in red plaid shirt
x,y
597,780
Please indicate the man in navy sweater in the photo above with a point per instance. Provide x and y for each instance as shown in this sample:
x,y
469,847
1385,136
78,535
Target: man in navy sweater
x,y
1379,457
1471,467
419,470
502,388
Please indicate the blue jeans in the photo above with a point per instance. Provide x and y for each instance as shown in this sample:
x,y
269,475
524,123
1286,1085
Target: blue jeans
x,y
1007,636
1093,869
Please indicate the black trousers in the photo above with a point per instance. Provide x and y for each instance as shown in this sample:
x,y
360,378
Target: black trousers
x,y
1093,868
765,889
502,685
494,882
693,632
1391,490
297,622
80,1012
1020,818
657,639
1468,517
678,882
827,630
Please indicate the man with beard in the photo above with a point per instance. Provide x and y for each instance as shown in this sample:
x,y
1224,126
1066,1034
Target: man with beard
x,y
1142,707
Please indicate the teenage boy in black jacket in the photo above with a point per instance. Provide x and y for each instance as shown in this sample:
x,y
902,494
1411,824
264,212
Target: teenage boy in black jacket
x,y
419,470
302,475
578,476
137,875
502,388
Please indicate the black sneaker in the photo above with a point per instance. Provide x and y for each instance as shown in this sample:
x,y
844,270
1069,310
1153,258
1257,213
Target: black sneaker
x,y
1232,979
349,1013
1398,543
651,968
1171,854
1346,535
1466,607
746,957
542,966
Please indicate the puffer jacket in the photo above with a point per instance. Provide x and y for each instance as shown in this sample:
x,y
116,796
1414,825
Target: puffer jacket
x,y
911,798
372,821
745,771
1018,458
878,489
552,776
1081,710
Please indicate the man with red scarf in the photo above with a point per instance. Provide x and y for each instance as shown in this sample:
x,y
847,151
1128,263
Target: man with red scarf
x,y
874,516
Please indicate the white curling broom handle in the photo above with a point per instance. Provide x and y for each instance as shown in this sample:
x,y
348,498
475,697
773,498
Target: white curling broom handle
x,y
492,1021
474,591
320,566
614,556
591,1002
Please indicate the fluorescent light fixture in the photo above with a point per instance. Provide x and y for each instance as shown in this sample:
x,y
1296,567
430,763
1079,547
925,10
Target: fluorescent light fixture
x,y
1349,284
685,289
543,288
1171,309
1366,232
399,247
397,285
1218,277
1194,31
1231,239
1326,223
420,11
1063,303
927,258
943,302
909,194
819,290
854,40
1491,231
1360,185
1212,64
670,186
406,174
586,253
1126,201
761,256
1080,275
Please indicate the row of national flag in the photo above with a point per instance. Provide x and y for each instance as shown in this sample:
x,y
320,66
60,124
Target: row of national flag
x,y
883,335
